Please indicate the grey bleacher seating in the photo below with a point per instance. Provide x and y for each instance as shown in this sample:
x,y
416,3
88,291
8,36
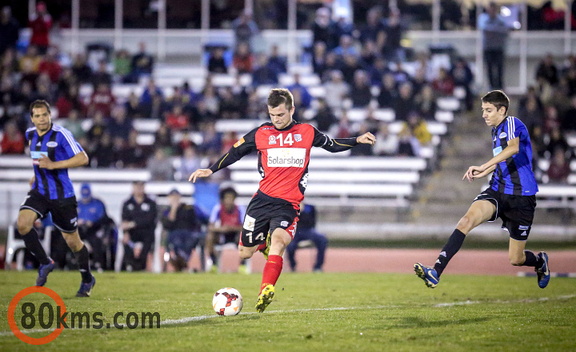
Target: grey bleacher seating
x,y
448,103
556,196
317,91
342,176
300,68
307,80
360,114
365,181
356,163
361,181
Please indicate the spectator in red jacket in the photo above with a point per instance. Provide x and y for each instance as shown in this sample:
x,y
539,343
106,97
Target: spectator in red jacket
x,y
12,140
176,119
243,60
40,23
50,65
443,84
102,100
559,168
70,100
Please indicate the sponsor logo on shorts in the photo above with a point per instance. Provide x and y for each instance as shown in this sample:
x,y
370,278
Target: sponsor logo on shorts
x,y
523,227
286,157
249,223
284,224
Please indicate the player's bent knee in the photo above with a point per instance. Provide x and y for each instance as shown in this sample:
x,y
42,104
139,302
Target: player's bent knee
x,y
23,228
73,241
245,252
465,224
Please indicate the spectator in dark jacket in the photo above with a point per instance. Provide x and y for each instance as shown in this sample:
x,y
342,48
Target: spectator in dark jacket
x,y
9,30
307,232
183,223
139,218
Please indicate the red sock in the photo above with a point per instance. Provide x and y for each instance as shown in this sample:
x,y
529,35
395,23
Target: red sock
x,y
272,271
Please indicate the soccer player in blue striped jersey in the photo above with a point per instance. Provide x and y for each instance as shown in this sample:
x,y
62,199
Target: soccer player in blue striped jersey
x,y
510,195
53,150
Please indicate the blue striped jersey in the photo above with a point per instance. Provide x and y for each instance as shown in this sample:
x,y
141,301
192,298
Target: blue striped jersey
x,y
58,144
514,175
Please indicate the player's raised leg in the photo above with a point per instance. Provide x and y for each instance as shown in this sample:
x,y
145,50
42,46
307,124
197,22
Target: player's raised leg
x,y
479,212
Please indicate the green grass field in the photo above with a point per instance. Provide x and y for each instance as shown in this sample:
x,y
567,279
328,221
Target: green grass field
x,y
311,312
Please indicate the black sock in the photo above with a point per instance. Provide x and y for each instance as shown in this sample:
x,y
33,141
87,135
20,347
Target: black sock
x,y
450,248
214,259
83,259
33,245
243,261
531,260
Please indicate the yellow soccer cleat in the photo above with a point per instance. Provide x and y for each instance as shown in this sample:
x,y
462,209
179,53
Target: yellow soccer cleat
x,y
265,298
266,250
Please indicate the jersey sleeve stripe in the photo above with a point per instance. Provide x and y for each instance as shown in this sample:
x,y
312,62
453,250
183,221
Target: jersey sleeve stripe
x,y
344,145
70,139
511,128
221,161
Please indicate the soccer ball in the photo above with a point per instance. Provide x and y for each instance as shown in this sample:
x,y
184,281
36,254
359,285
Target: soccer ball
x,y
227,301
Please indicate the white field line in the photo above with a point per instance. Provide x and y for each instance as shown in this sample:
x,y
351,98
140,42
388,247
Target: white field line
x,y
212,316
542,299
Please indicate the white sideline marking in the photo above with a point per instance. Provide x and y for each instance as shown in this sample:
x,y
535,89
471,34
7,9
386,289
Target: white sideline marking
x,y
543,299
212,316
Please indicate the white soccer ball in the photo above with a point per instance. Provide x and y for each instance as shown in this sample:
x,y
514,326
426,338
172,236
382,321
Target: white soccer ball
x,y
227,301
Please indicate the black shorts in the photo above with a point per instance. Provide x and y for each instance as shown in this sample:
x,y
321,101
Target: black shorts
x,y
516,212
64,211
265,214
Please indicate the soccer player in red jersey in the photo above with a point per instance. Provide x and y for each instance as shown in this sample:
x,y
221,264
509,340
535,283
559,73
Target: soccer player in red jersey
x,y
283,147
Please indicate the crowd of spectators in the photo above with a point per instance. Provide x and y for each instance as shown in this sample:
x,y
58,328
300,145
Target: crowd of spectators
x,y
361,67
549,111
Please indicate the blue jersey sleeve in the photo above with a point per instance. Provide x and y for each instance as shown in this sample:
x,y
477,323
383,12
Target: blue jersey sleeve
x,y
67,141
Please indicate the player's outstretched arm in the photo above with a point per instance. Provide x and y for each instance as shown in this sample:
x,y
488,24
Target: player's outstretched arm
x,y
199,173
366,138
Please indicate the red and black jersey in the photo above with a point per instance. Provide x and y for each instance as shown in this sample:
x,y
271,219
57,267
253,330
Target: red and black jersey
x,y
283,156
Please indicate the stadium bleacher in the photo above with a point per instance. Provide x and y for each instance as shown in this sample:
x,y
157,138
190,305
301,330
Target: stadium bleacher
x,y
372,181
